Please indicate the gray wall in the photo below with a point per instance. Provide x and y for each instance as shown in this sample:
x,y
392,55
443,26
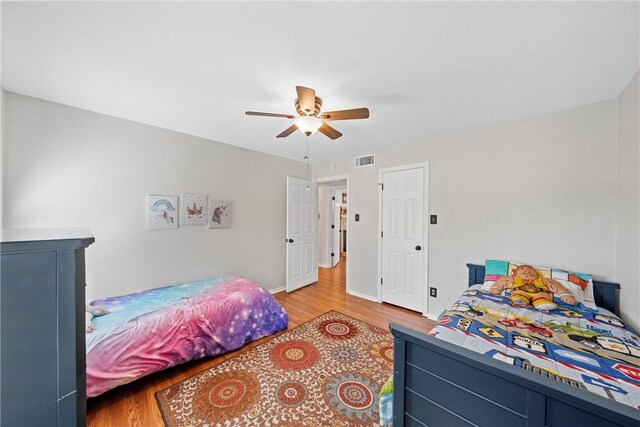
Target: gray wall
x,y
627,262
540,190
66,167
558,189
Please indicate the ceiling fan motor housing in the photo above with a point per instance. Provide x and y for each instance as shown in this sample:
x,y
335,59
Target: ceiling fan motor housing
x,y
317,108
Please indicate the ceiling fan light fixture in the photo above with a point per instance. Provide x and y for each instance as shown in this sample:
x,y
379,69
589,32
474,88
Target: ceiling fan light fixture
x,y
311,120
308,124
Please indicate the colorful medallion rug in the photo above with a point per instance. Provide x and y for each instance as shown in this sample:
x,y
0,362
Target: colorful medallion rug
x,y
325,372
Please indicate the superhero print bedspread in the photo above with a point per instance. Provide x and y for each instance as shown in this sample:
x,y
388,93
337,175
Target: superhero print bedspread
x,y
588,349
159,328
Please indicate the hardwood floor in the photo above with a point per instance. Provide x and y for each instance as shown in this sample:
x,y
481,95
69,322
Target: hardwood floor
x,y
135,405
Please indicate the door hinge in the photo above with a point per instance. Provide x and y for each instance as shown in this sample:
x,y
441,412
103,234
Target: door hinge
x,y
333,226
332,254
381,280
333,198
381,186
381,234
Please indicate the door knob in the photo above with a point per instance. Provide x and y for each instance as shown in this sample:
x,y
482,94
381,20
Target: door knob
x,y
290,240
418,247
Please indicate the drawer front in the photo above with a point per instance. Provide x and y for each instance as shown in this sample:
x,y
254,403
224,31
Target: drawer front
x,y
29,339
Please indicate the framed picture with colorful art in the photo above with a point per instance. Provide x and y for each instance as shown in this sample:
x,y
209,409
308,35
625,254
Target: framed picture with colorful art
x,y
162,212
194,209
219,214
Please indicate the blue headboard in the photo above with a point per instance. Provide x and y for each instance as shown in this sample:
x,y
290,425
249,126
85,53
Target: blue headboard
x,y
604,293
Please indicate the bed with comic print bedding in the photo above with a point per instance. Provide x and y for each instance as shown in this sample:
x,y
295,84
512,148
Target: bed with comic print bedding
x,y
137,334
491,362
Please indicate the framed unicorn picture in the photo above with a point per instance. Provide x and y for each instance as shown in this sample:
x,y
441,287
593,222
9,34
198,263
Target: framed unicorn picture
x,y
162,212
219,214
194,209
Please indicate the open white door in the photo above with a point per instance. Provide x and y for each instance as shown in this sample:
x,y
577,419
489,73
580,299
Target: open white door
x,y
335,229
302,250
403,238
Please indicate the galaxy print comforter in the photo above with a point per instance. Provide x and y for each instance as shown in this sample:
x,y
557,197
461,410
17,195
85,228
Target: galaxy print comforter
x,y
163,327
588,349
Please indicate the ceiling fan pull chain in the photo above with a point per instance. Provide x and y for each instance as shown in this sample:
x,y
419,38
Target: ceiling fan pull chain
x,y
308,166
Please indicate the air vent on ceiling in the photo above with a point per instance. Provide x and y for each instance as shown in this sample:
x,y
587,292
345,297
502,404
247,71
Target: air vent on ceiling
x,y
365,160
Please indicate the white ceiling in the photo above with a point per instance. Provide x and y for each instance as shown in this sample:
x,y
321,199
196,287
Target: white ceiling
x,y
423,69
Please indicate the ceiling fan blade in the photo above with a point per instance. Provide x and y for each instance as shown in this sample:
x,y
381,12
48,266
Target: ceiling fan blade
x,y
355,113
329,131
306,99
256,113
288,131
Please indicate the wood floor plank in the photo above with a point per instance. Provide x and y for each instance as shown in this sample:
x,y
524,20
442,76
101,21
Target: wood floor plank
x,y
135,405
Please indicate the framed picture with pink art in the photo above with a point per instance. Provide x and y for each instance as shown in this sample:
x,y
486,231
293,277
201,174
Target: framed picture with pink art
x,y
194,209
219,214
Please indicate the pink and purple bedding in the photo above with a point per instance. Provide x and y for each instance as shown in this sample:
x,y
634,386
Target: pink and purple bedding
x,y
163,327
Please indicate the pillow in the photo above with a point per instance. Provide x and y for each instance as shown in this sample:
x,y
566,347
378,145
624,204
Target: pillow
x,y
96,311
90,313
493,269
579,284
87,322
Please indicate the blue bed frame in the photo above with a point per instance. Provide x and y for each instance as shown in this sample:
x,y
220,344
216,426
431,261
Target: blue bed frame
x,y
437,383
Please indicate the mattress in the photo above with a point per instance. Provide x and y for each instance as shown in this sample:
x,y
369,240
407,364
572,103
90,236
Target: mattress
x,y
589,349
153,330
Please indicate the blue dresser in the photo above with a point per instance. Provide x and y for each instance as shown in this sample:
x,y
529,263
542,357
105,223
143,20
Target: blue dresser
x,y
42,338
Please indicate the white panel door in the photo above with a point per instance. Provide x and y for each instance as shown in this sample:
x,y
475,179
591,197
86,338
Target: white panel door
x,y
302,249
402,238
335,231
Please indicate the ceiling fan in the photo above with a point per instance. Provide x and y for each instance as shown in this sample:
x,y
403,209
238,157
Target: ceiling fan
x,y
310,119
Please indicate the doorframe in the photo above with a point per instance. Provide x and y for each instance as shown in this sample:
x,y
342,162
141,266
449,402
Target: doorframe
x,y
425,189
331,209
340,178
328,209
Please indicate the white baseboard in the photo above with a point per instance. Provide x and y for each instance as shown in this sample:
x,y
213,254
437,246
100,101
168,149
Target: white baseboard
x,y
363,296
276,290
325,266
431,316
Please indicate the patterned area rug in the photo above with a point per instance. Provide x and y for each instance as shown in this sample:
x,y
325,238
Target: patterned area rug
x,y
325,372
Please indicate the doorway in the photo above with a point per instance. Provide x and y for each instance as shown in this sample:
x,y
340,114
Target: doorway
x,y
337,251
403,230
333,197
